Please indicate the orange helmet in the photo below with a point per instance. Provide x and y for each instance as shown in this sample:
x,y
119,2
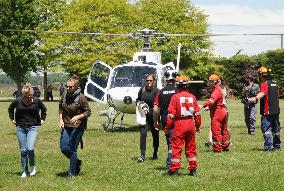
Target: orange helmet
x,y
182,80
214,77
263,71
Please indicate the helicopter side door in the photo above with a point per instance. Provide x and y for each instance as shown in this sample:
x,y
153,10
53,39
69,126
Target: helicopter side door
x,y
97,84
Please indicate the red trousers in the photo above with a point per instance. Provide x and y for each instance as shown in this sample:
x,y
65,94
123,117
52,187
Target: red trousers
x,y
183,134
219,128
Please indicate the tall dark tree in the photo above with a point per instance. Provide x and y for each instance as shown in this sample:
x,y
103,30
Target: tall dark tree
x,y
17,49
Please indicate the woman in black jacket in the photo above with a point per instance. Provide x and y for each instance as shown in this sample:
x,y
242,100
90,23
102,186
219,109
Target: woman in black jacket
x,y
147,94
30,114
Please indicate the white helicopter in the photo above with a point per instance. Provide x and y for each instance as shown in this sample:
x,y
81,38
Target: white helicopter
x,y
118,87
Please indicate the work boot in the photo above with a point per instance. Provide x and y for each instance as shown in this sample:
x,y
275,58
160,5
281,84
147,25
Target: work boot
x,y
141,159
193,173
173,173
78,167
155,156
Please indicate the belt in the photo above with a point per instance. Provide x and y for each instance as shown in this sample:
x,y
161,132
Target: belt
x,y
184,118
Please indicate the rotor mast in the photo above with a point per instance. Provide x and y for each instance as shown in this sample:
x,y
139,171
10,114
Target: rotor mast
x,y
146,34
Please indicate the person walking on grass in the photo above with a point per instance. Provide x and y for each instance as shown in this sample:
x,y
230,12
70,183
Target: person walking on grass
x,y
269,110
73,113
184,117
147,94
30,114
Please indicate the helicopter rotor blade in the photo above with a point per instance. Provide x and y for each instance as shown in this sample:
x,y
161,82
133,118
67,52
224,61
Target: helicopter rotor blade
x,y
140,34
70,33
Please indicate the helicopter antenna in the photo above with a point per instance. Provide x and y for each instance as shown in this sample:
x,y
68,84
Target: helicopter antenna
x,y
178,57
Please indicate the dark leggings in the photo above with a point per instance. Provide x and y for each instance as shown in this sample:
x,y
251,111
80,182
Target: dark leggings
x,y
143,135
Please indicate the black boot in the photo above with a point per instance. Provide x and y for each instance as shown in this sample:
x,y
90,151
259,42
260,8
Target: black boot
x,y
155,156
78,167
193,173
173,173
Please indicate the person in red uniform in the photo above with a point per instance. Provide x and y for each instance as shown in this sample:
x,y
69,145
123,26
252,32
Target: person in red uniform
x,y
217,105
183,115
269,110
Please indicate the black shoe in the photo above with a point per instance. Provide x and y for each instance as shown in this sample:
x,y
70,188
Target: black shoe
x,y
155,156
208,144
173,173
78,167
193,173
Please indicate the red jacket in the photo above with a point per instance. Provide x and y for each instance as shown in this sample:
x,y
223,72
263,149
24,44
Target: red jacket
x,y
217,99
183,105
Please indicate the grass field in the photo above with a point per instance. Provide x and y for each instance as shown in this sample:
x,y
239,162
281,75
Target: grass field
x,y
110,158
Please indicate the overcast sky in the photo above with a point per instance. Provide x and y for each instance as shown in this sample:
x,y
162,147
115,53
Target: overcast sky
x,y
244,16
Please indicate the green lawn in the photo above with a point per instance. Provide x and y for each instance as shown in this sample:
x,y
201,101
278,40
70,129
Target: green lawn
x,y
110,158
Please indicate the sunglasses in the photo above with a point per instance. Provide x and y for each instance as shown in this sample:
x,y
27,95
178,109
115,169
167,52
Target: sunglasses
x,y
149,80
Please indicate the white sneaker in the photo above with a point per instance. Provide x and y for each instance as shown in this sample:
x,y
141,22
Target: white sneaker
x,y
33,171
24,175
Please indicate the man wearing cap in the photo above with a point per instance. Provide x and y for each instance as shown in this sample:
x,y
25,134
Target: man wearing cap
x,y
217,105
183,114
269,110
162,102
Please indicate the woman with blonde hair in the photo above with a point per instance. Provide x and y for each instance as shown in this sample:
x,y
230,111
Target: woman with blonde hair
x,y
27,119
74,111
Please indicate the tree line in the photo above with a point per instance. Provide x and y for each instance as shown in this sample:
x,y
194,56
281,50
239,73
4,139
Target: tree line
x,y
32,45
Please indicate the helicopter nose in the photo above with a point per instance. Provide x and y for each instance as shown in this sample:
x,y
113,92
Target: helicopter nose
x,y
127,100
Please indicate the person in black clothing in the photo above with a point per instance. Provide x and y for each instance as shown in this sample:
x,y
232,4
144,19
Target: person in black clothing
x,y
162,102
148,94
49,95
27,120
61,90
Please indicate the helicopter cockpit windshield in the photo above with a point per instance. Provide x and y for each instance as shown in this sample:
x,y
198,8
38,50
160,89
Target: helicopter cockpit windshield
x,y
131,76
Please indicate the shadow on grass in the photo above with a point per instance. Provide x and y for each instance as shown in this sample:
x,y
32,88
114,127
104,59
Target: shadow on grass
x,y
121,128
257,149
15,173
62,174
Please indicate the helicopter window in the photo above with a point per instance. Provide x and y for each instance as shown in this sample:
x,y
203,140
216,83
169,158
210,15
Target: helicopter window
x,y
95,92
131,76
100,75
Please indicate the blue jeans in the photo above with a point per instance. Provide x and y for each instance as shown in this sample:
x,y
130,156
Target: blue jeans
x,y
69,141
270,127
168,140
27,138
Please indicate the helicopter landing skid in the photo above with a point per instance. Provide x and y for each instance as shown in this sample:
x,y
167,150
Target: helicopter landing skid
x,y
112,114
